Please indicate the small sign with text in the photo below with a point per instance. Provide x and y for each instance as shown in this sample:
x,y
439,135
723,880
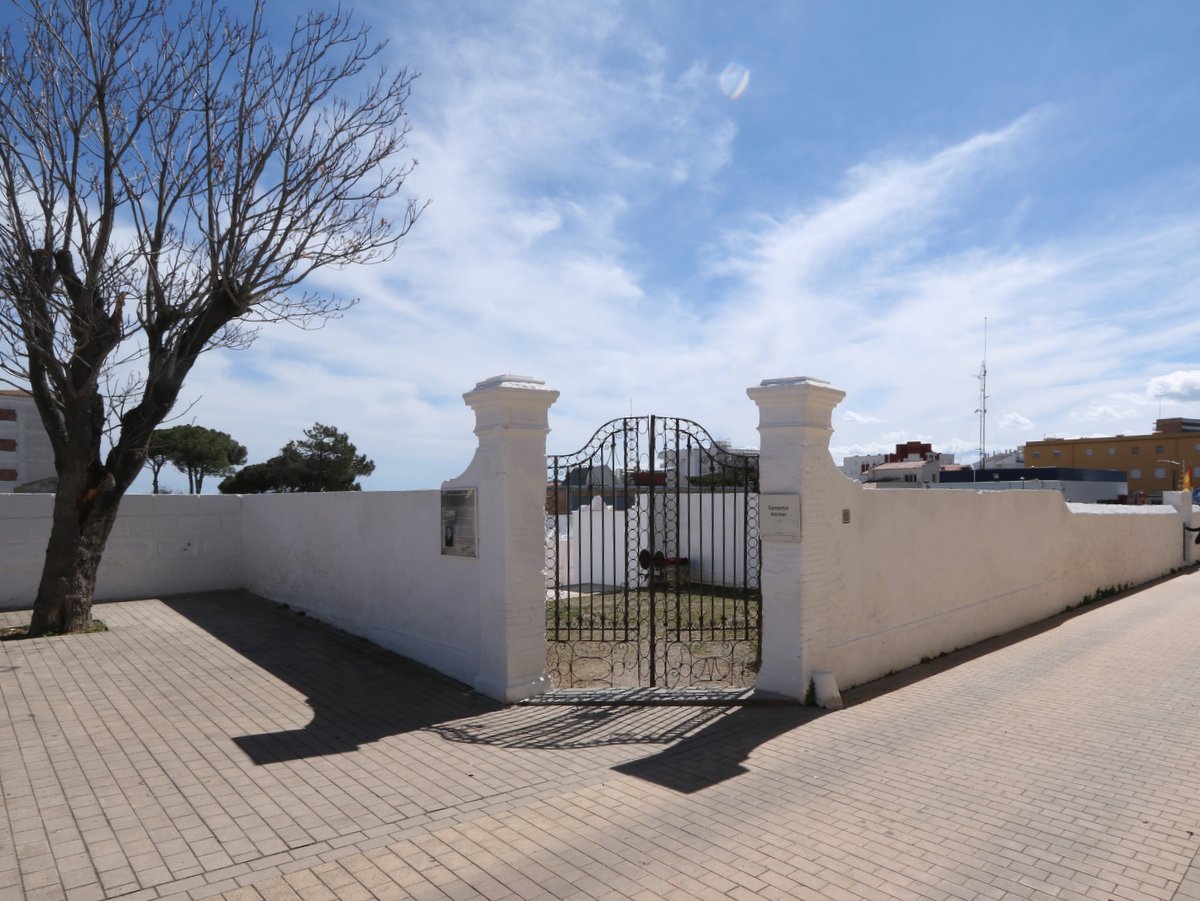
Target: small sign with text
x,y
779,517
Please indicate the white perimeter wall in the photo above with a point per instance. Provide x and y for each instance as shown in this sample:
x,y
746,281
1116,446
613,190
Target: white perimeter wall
x,y
369,563
917,573
913,574
878,580
708,528
161,544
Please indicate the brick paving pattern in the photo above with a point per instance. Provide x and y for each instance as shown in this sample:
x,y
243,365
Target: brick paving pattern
x,y
220,745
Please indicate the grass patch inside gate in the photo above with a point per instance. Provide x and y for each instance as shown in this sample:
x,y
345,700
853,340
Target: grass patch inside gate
x,y
699,636
600,615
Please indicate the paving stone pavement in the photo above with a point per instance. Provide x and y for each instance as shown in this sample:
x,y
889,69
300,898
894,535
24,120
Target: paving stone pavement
x,y
220,745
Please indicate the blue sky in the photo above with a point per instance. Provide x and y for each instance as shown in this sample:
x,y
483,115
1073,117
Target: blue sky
x,y
604,216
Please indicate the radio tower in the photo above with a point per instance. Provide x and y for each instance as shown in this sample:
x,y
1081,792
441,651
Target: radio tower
x,y
983,399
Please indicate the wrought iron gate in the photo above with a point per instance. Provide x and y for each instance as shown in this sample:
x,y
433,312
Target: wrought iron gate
x,y
653,560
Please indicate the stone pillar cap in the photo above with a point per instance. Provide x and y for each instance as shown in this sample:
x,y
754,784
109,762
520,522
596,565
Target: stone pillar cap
x,y
793,380
509,381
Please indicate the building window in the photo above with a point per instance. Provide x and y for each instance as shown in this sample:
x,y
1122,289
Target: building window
x,y
1160,473
1135,450
1088,452
1058,453
1135,473
1198,447
1159,449
1112,451
1037,454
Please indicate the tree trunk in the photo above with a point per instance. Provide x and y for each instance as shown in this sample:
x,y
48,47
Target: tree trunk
x,y
82,522
85,508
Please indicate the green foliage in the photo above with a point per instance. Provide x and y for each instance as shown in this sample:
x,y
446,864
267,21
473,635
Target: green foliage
x,y
1100,594
324,460
196,451
257,478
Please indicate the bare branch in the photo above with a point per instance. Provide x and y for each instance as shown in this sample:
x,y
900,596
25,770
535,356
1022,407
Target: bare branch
x,y
169,177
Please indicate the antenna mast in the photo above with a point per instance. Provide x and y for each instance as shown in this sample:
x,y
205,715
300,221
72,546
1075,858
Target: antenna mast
x,y
983,399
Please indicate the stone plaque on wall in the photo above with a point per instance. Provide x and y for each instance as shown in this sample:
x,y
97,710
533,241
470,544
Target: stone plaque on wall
x,y
779,517
458,522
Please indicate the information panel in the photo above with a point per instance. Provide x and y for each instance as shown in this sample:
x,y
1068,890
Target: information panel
x,y
458,522
779,517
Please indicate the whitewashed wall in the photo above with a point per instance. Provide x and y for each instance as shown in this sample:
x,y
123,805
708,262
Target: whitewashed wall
x,y
161,544
917,573
597,549
369,563
366,562
709,530
712,535
880,579
24,531
877,581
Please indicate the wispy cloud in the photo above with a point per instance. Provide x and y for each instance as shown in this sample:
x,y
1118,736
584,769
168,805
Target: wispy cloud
x,y
575,159
851,416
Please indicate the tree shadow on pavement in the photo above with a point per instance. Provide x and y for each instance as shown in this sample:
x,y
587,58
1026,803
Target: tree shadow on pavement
x,y
358,691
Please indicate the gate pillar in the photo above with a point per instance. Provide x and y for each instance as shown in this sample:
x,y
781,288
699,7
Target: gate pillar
x,y
509,473
795,425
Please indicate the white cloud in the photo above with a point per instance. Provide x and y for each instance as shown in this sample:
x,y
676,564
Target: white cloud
x,y
1016,422
1183,385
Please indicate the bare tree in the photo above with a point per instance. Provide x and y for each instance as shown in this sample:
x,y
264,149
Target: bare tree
x,y
170,175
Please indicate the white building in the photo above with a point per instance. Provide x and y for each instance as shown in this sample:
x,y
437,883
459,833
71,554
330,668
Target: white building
x,y
856,467
25,452
862,466
694,460
905,474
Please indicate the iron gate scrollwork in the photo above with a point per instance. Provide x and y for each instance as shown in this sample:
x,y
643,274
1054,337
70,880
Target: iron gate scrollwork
x,y
653,560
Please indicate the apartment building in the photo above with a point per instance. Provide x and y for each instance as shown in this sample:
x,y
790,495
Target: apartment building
x,y
25,452
1153,463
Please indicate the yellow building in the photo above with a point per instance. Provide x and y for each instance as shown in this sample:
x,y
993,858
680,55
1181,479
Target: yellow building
x,y
1153,463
